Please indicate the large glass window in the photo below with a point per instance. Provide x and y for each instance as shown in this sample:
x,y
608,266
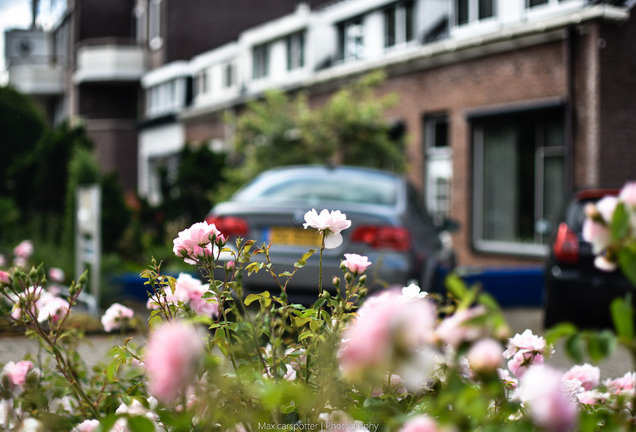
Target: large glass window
x,y
467,11
260,59
351,39
439,169
295,50
398,23
154,24
519,180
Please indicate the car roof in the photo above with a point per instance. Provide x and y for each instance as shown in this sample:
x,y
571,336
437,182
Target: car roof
x,y
595,193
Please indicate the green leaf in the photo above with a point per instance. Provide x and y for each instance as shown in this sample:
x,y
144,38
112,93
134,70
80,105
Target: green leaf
x,y
627,262
620,222
560,331
106,424
623,317
299,322
574,347
601,345
253,297
140,424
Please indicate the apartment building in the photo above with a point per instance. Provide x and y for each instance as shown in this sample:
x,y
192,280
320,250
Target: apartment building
x,y
89,67
508,104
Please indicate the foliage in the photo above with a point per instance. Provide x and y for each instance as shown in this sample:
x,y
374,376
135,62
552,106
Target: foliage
x,y
219,359
22,124
349,128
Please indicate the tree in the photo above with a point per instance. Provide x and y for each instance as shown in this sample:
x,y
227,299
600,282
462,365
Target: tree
x,y
22,124
350,128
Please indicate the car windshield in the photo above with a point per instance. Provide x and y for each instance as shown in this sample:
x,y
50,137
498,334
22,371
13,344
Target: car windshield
x,y
347,187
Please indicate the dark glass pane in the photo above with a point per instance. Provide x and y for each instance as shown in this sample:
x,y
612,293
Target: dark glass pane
x,y
462,11
409,24
486,9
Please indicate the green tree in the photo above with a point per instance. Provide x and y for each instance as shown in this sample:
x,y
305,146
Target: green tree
x,y
22,124
350,128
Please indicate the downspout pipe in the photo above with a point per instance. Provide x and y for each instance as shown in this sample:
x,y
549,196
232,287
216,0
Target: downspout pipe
x,y
570,119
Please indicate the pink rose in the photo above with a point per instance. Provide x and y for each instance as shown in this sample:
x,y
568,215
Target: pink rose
x,y
587,375
24,249
454,329
195,243
626,383
187,288
549,406
86,426
115,316
387,323
628,193
56,274
17,372
5,277
420,423
525,342
485,355
329,223
596,234
172,353
356,264
206,307
51,307
522,360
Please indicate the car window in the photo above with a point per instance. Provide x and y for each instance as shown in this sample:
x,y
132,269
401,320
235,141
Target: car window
x,y
366,189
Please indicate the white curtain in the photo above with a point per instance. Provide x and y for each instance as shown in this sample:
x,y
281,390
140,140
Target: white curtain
x,y
500,189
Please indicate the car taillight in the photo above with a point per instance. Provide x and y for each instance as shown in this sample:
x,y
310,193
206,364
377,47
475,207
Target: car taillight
x,y
383,237
230,226
566,245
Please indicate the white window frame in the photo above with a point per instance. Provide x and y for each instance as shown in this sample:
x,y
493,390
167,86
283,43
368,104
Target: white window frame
x,y
155,41
141,23
351,39
473,12
260,61
295,47
400,23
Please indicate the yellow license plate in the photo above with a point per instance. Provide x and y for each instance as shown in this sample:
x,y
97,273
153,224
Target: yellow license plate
x,y
294,236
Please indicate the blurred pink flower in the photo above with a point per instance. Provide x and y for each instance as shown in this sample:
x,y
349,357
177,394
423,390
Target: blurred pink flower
x,y
17,372
413,292
540,390
195,242
523,360
4,277
628,193
172,353
207,307
587,375
188,288
526,342
24,249
115,315
51,306
329,223
624,384
596,234
455,329
485,355
420,423
592,397
56,274
387,324
355,263
86,426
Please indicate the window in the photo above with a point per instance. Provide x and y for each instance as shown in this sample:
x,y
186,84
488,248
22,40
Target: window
x,y
165,98
351,39
201,83
154,24
295,50
467,11
260,59
228,75
519,162
439,169
141,23
398,24
533,3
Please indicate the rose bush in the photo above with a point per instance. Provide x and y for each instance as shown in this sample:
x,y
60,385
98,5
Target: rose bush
x,y
216,359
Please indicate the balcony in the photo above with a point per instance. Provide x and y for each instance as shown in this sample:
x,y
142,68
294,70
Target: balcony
x,y
101,60
36,79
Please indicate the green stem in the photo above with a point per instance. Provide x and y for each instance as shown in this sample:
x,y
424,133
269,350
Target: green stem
x,y
322,248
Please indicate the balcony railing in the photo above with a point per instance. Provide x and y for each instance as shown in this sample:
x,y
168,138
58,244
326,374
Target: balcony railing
x,y
109,59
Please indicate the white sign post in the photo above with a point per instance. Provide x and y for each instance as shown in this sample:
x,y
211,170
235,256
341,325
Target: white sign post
x,y
88,236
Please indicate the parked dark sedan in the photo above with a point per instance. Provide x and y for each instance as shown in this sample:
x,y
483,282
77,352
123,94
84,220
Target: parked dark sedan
x,y
575,290
389,225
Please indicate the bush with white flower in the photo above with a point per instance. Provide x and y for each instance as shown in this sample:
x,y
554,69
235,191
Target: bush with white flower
x,y
216,359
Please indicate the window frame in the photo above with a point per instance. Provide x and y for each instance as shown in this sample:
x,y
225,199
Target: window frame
x,y
477,123
473,11
260,60
343,27
295,46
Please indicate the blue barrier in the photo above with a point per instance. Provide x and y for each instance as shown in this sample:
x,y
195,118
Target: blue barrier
x,y
509,286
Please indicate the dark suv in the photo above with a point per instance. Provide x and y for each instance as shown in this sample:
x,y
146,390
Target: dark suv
x,y
575,290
